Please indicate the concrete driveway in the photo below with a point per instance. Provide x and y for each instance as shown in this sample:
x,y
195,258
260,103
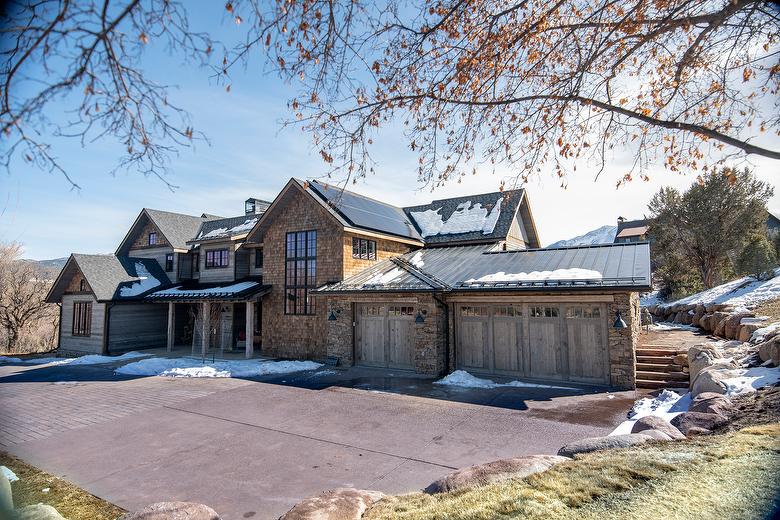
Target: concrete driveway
x,y
253,448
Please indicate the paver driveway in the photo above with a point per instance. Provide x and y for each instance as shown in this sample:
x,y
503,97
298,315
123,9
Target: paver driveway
x,y
252,448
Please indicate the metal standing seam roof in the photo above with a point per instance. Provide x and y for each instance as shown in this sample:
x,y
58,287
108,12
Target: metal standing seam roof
x,y
228,291
225,228
620,266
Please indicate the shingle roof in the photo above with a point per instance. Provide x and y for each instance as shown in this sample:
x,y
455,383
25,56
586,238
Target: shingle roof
x,y
475,218
111,277
225,227
177,227
478,268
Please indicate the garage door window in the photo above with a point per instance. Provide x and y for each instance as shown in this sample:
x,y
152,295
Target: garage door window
x,y
507,311
397,310
474,312
544,312
583,312
372,310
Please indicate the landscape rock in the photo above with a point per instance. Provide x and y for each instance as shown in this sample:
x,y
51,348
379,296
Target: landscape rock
x,y
711,379
172,511
493,471
38,512
746,330
711,402
680,359
701,357
653,423
658,435
705,322
770,350
336,504
732,324
703,422
6,498
603,443
698,313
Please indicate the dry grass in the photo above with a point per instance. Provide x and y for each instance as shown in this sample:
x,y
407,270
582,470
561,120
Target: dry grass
x,y
770,308
728,476
71,501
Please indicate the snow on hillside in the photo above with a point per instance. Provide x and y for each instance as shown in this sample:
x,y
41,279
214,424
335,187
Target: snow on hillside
x,y
602,235
744,292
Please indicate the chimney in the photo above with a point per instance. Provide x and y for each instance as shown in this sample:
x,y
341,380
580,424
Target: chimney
x,y
621,220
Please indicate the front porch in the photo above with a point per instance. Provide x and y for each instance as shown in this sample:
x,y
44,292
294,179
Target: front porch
x,y
214,322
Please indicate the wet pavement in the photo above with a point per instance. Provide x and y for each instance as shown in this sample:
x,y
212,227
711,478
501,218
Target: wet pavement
x,y
254,447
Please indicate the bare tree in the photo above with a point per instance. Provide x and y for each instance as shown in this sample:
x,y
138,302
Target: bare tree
x,y
530,85
23,291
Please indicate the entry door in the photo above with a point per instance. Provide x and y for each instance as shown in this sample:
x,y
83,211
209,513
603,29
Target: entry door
x,y
586,330
371,335
474,341
507,338
546,358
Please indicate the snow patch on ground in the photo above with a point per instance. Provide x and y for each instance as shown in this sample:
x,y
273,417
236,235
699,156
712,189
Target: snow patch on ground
x,y
558,274
665,325
146,282
10,475
751,380
667,405
467,218
463,379
759,336
744,292
651,298
190,367
91,359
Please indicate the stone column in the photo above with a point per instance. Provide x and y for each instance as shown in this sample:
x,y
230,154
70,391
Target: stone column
x,y
250,329
205,327
171,324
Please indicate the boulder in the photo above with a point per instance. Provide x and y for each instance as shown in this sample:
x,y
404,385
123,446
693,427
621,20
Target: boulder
x,y
679,317
658,435
681,360
686,318
603,443
701,357
711,402
685,422
337,504
732,324
711,380
770,350
705,322
38,512
172,511
493,471
652,423
698,313
6,498
720,325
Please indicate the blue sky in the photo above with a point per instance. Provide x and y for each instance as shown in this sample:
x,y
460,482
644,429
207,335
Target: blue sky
x,y
250,155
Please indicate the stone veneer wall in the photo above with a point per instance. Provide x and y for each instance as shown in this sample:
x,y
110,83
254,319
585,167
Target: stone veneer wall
x,y
622,342
429,336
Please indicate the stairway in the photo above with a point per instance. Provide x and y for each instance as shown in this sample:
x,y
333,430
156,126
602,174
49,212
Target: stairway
x,y
655,368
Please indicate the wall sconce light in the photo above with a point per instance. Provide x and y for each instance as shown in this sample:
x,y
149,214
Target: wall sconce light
x,y
619,323
331,315
419,318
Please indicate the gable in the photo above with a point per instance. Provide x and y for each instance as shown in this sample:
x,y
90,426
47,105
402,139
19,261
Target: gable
x,y
68,281
141,240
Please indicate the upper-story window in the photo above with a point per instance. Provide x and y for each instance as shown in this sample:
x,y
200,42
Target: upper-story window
x,y
300,274
152,238
217,258
169,262
258,258
364,249
82,285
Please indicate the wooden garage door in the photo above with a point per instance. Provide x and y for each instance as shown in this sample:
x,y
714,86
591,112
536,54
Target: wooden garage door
x,y
586,329
384,335
473,337
490,338
545,348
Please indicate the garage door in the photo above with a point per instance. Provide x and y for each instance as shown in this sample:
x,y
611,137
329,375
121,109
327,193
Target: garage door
x,y
542,341
384,335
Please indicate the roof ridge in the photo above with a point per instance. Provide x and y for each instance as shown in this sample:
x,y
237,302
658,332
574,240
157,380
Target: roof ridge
x,y
355,194
499,192
175,213
583,246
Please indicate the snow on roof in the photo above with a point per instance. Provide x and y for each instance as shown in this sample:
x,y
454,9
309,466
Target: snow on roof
x,y
146,282
467,218
558,274
743,292
223,290
244,227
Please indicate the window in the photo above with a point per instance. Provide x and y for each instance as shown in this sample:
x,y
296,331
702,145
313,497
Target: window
x,y
300,274
249,206
217,258
543,312
397,310
152,238
195,262
507,311
474,312
82,319
169,262
258,258
362,248
583,312
82,285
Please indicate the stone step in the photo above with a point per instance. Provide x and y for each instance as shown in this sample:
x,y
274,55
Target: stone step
x,y
643,351
651,366
656,360
661,376
644,383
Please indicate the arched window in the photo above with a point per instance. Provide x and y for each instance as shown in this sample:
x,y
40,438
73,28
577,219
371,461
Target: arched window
x,y
83,285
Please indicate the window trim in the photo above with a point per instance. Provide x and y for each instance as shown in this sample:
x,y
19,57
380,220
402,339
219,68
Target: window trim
x,y
152,238
307,264
83,285
81,324
364,249
214,265
169,259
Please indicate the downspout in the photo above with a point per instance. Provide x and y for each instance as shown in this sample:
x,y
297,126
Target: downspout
x,y
106,327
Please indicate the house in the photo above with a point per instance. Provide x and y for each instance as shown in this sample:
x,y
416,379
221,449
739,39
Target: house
x,y
772,225
321,272
631,230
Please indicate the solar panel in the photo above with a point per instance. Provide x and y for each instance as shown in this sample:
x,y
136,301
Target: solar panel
x,y
367,213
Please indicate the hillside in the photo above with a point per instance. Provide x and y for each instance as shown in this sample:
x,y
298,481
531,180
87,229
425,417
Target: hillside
x,y
602,235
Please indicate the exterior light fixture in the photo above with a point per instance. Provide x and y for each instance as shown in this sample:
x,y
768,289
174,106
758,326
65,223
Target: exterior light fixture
x,y
619,323
419,318
331,315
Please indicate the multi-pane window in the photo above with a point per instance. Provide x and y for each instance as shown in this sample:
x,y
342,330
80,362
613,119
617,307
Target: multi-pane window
x,y
543,312
169,262
507,311
398,310
82,319
364,249
474,312
152,238
258,258
217,258
583,312
300,275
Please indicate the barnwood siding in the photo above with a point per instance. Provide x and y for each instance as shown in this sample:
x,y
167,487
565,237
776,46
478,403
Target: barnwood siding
x,y
241,266
137,326
220,274
517,237
158,254
384,249
92,343
255,271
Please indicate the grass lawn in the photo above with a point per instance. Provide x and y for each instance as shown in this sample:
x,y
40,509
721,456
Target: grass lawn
x,y
71,501
732,476
771,309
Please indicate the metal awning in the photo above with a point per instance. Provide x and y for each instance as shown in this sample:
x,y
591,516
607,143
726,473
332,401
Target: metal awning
x,y
236,291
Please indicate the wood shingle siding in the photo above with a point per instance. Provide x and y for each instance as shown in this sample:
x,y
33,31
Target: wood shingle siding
x,y
92,343
137,326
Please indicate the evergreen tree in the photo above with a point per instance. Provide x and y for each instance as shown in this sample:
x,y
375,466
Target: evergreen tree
x,y
758,258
